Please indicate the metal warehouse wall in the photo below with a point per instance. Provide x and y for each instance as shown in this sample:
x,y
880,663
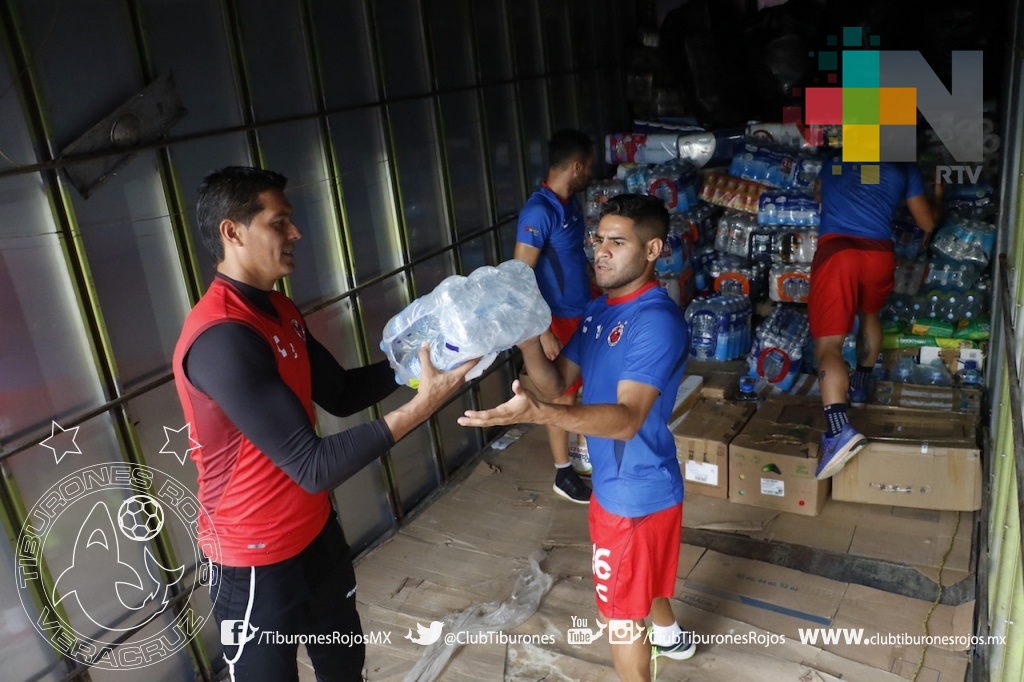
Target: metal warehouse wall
x,y
411,132
1001,586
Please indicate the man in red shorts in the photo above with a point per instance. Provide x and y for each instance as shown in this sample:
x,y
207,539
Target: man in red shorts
x,y
549,238
852,274
630,350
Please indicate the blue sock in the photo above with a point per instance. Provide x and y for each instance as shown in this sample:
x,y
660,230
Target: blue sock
x,y
835,416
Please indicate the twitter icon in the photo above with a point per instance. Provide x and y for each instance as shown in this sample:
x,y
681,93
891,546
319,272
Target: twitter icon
x,y
426,636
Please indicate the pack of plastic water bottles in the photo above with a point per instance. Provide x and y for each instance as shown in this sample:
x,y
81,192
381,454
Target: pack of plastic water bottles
x,y
478,316
778,346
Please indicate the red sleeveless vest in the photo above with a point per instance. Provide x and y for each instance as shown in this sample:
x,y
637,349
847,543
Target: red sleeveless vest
x,y
259,514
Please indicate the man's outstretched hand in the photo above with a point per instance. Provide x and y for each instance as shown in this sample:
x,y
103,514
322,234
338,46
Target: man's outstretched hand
x,y
522,407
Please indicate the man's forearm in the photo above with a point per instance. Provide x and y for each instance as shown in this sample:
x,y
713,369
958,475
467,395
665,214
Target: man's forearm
x,y
607,420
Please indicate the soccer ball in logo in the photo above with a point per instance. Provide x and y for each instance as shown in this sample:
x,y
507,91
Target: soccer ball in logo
x,y
140,517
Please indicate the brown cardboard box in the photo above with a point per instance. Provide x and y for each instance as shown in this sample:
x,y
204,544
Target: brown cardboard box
x,y
687,396
721,379
913,459
953,357
966,401
772,460
702,440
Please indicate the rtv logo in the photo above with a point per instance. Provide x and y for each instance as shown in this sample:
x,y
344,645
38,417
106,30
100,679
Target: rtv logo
x,y
881,92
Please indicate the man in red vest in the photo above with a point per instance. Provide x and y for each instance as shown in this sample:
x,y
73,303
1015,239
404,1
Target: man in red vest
x,y
247,372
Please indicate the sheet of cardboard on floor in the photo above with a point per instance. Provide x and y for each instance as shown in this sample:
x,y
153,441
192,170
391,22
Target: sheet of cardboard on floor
x,y
772,460
920,538
913,459
786,601
702,438
894,622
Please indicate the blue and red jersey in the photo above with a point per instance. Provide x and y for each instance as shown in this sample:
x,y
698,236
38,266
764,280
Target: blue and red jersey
x,y
556,227
639,337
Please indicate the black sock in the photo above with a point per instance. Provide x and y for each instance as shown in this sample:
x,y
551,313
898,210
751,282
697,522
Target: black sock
x,y
835,416
860,376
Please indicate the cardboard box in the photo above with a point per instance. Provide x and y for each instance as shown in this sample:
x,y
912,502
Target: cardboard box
x,y
702,444
953,357
965,401
687,396
721,379
914,460
772,460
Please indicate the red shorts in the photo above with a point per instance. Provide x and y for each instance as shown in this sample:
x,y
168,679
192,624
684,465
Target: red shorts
x,y
563,328
846,279
635,560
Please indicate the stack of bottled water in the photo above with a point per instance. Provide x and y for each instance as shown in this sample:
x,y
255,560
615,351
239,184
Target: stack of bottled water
x,y
789,283
719,327
794,245
907,237
936,304
703,220
733,234
675,182
704,259
600,191
962,239
975,201
946,273
782,207
778,346
673,267
908,276
762,237
775,166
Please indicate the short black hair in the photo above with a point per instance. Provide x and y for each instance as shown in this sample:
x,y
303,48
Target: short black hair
x,y
649,215
567,145
232,193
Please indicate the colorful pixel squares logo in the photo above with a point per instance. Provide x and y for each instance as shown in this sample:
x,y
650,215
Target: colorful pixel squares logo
x,y
880,93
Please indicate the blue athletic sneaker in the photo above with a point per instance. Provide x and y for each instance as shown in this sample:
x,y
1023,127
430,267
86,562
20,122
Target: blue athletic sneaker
x,y
858,396
838,450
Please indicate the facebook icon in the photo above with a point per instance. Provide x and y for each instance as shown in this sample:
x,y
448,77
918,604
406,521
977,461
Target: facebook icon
x,y
233,632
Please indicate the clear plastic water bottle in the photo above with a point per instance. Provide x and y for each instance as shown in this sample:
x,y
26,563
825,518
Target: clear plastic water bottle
x,y
970,375
903,372
850,350
723,309
938,374
748,390
974,304
703,338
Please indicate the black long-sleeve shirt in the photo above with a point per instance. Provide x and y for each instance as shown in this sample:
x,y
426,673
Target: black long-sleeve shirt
x,y
233,365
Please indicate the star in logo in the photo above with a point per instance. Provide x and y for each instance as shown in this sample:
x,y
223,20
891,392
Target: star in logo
x,y
180,439
60,441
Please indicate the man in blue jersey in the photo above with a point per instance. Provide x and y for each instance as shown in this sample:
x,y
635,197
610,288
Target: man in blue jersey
x,y
852,274
549,238
630,350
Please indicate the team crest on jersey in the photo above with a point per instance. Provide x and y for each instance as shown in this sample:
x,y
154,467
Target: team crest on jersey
x,y
299,330
616,333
